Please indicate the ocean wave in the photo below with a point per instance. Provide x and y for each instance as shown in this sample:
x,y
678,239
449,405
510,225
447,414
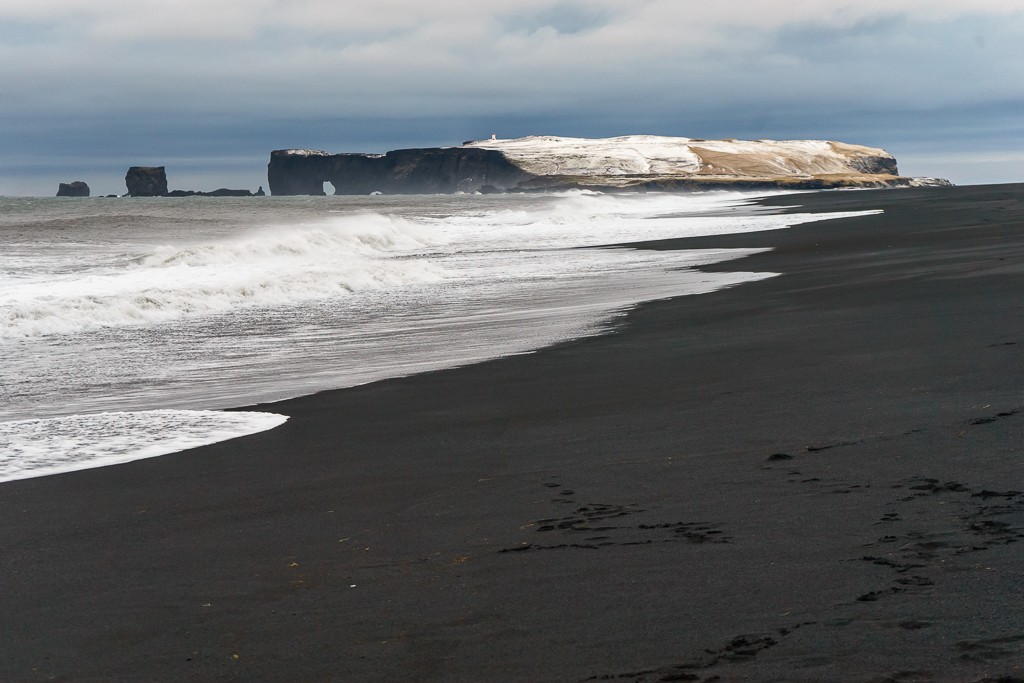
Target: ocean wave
x,y
282,266
356,253
370,235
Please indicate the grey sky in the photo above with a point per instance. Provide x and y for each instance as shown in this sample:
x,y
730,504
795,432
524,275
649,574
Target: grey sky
x,y
209,87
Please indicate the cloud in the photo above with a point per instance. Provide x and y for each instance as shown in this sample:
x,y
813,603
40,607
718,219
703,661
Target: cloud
x,y
538,47
582,66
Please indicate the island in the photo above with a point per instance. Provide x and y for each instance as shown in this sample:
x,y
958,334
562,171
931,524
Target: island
x,y
626,163
76,188
146,181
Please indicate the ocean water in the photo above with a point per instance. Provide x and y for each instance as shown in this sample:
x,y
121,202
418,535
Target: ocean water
x,y
126,323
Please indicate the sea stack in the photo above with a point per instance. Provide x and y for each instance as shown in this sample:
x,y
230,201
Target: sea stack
x,y
628,163
77,188
146,181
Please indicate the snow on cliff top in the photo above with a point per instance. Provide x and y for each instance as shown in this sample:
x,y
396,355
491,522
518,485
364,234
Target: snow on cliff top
x,y
304,152
656,155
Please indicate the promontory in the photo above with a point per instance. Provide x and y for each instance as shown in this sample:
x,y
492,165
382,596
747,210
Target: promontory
x,y
626,163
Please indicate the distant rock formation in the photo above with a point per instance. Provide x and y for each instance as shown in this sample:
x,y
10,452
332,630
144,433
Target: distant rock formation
x,y
146,181
628,163
222,192
151,181
78,188
404,171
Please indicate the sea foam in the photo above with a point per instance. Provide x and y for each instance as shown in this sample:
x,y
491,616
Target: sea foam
x,y
35,448
180,304
268,267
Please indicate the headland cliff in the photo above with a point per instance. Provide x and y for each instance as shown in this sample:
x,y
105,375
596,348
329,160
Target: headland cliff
x,y
627,163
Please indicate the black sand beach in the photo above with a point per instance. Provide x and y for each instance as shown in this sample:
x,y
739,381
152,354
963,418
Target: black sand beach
x,y
816,477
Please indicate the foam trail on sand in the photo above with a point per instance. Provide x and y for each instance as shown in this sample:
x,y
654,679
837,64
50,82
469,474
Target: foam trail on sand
x,y
35,448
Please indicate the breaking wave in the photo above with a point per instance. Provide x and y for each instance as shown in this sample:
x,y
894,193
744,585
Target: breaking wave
x,y
287,265
353,253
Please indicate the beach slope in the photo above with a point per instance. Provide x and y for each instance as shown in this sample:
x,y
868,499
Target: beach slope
x,y
815,477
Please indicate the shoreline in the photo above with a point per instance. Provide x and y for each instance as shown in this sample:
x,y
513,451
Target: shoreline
x,y
810,477
457,319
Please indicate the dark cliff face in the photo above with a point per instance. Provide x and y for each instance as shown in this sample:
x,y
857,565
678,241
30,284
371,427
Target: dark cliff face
x,y
296,173
404,171
875,165
146,181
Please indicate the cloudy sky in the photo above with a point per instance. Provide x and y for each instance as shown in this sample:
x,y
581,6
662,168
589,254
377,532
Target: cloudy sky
x,y
208,88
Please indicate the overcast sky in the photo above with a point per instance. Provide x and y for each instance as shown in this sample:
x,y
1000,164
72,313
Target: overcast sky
x,y
208,88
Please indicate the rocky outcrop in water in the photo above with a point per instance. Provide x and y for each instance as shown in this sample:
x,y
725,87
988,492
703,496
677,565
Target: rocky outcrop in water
x,y
222,192
77,188
151,181
146,181
628,163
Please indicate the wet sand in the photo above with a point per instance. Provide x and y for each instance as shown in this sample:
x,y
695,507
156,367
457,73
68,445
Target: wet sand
x,y
816,477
